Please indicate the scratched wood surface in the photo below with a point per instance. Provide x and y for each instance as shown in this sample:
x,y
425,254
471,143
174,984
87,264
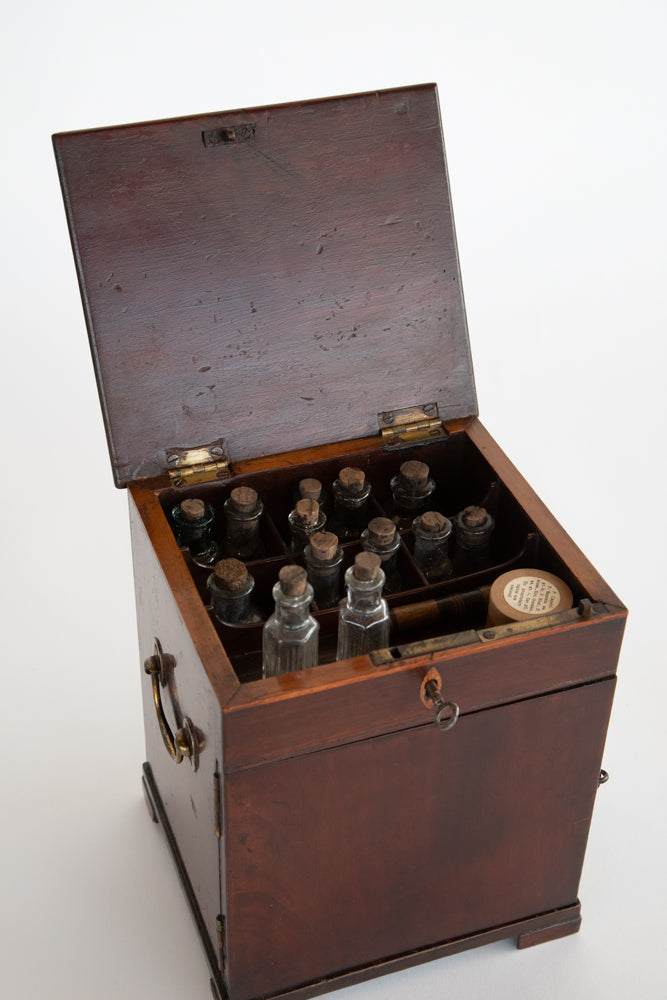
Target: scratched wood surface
x,y
278,284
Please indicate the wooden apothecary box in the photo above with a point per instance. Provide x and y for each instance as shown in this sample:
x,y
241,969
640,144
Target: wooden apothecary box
x,y
286,280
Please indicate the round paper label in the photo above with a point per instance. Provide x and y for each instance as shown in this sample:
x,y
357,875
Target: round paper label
x,y
532,595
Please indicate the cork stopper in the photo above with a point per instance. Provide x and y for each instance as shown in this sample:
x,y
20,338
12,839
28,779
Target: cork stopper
x,y
366,565
310,489
193,510
323,545
230,574
292,580
352,480
415,474
433,522
307,512
473,517
381,531
244,499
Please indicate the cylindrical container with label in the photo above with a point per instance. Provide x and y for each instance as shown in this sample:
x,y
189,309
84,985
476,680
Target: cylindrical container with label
x,y
523,594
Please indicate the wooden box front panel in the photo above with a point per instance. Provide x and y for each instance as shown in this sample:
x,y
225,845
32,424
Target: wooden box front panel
x,y
344,857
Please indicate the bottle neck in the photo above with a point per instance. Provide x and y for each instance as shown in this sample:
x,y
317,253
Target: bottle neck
x,y
343,500
322,567
197,533
364,595
430,541
385,552
230,605
300,532
473,539
408,497
292,612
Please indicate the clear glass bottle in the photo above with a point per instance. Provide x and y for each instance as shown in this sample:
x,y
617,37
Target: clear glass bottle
x,y
193,525
351,493
324,559
304,521
473,527
411,492
382,537
243,513
363,619
432,532
230,586
291,635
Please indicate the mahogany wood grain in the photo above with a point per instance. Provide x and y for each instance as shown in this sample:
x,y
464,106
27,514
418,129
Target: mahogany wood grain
x,y
337,777
187,795
339,703
534,930
276,277
231,289
563,928
372,849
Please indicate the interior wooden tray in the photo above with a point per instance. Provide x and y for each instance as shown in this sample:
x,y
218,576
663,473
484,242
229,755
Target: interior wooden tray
x,y
463,476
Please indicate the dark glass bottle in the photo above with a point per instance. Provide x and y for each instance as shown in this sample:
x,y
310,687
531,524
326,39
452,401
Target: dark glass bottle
x,y
304,521
411,492
291,635
230,586
193,525
351,494
243,512
473,527
324,559
382,537
363,619
432,532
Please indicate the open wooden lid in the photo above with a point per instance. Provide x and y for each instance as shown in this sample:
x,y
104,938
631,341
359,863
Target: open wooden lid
x,y
275,277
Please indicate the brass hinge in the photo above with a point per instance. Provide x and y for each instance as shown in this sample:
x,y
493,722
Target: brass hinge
x,y
411,425
217,805
220,932
187,466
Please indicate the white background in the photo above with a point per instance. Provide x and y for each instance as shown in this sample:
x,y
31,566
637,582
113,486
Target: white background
x,y
554,117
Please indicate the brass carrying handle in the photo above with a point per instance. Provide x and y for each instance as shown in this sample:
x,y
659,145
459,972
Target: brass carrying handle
x,y
184,743
446,712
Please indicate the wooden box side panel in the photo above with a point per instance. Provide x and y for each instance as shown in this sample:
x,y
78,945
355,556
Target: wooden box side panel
x,y
375,849
188,794
163,552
